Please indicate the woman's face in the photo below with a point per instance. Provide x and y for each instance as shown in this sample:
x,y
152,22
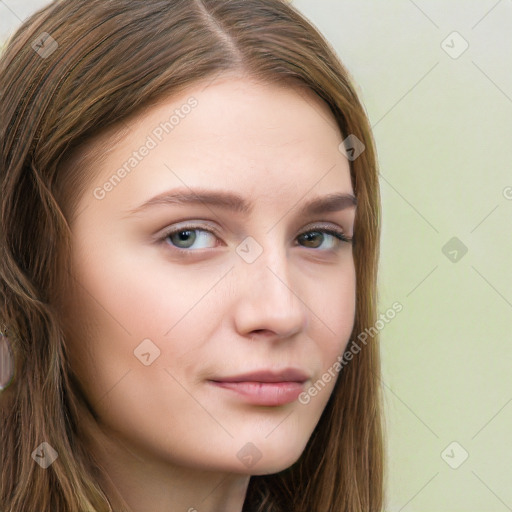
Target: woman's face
x,y
196,262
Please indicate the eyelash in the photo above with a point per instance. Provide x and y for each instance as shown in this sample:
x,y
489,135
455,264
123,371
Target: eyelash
x,y
338,234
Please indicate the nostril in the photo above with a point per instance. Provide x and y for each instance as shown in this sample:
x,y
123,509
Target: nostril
x,y
256,333
259,333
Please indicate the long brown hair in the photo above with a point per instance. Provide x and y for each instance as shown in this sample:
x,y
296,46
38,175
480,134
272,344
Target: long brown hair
x,y
77,67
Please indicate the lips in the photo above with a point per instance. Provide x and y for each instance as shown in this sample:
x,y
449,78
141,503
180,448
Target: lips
x,y
264,387
285,375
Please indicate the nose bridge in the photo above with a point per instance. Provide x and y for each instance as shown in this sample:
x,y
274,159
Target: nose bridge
x,y
272,271
268,299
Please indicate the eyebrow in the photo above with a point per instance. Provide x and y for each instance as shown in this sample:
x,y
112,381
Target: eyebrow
x,y
235,203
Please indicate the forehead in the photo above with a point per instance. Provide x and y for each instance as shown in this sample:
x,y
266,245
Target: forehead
x,y
234,133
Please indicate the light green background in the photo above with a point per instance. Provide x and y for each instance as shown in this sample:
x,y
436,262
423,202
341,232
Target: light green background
x,y
443,129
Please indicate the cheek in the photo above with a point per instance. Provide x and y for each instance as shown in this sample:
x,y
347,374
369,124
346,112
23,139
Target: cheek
x,y
332,308
137,295
135,334
124,313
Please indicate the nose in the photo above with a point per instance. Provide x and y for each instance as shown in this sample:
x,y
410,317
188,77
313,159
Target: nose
x,y
268,303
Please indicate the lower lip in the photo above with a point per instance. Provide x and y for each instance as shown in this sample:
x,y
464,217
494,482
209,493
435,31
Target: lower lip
x,y
264,393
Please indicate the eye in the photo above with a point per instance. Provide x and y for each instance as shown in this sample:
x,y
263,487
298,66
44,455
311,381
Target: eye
x,y
185,237
315,238
192,237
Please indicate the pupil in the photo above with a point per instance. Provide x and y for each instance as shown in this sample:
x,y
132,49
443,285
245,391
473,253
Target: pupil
x,y
187,236
310,237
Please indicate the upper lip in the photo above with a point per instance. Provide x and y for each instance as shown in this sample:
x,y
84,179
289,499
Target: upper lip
x,y
284,375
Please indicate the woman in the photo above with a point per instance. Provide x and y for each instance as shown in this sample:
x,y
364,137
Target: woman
x,y
190,228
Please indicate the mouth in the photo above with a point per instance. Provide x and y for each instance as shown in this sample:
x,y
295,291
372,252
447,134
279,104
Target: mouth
x,y
264,387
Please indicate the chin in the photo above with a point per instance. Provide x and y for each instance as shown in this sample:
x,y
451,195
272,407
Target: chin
x,y
277,460
274,467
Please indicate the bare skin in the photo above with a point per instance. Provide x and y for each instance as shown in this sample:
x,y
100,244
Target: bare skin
x,y
168,437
